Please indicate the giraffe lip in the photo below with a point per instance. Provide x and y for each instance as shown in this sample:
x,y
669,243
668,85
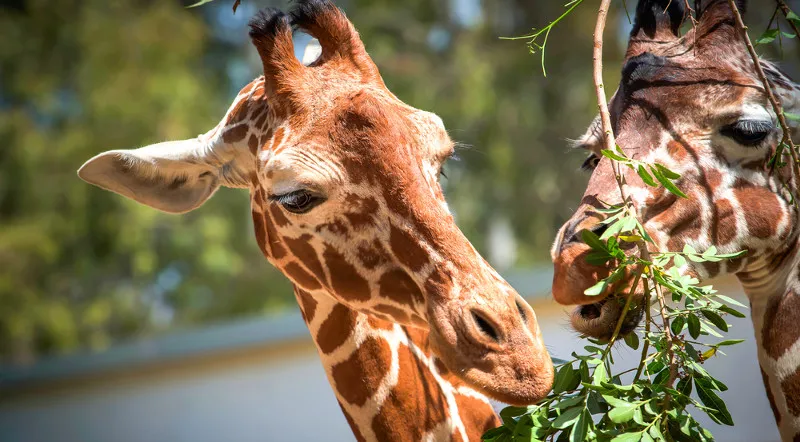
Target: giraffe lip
x,y
599,319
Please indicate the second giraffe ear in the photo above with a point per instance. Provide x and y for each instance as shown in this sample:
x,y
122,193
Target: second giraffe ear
x,y
174,177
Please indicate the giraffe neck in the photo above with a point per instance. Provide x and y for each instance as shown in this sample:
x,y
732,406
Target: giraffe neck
x,y
388,384
773,287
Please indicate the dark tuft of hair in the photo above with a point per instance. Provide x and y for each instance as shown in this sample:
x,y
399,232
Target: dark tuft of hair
x,y
652,14
267,22
305,13
741,5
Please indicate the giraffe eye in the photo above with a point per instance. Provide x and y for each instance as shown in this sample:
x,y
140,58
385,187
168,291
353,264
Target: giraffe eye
x,y
748,132
299,201
590,163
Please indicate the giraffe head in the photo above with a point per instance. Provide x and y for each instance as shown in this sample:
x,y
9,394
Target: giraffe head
x,y
343,179
695,105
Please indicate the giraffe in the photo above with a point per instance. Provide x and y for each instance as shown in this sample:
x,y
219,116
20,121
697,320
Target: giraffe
x,y
696,105
414,329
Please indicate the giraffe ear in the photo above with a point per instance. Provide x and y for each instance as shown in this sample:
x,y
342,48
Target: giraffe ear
x,y
658,19
175,176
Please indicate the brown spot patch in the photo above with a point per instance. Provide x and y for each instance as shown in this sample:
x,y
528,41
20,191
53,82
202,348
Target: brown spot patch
x,y
262,119
712,268
360,211
300,277
234,134
336,227
301,248
478,416
278,216
358,377
791,392
261,232
252,143
781,327
307,303
440,283
723,223
713,178
397,314
407,249
273,241
677,151
682,221
345,279
373,255
398,286
775,411
416,404
761,210
336,328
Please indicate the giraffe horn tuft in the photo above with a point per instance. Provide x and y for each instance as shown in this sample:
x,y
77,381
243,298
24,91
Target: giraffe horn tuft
x,y
271,34
336,35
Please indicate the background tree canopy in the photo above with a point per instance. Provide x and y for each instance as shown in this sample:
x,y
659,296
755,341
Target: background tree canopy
x,y
81,267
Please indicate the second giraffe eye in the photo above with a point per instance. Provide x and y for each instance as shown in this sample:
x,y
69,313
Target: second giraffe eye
x,y
299,201
748,132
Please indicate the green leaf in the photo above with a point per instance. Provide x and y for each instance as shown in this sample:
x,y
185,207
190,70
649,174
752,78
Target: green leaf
x,y
645,175
791,116
613,229
677,325
632,340
566,379
711,251
666,172
637,416
730,342
694,325
646,438
689,250
596,289
767,37
592,240
712,401
610,154
628,437
679,261
616,402
569,402
494,433
715,319
655,432
567,418
599,374
581,427
669,185
731,301
731,311
620,415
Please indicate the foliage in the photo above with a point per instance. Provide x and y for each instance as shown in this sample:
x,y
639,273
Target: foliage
x,y
589,400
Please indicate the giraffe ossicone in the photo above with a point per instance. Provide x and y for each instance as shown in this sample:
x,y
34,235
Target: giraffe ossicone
x,y
414,328
695,104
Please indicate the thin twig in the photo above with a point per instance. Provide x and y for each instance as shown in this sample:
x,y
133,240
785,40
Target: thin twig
x,y
776,106
646,306
673,366
785,9
597,73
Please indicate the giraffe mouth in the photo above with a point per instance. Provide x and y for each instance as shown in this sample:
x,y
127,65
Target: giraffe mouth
x,y
599,319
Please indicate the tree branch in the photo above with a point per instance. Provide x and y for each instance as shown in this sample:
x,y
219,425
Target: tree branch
x,y
785,10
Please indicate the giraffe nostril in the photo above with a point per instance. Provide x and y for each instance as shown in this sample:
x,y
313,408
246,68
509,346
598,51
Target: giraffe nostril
x,y
485,326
